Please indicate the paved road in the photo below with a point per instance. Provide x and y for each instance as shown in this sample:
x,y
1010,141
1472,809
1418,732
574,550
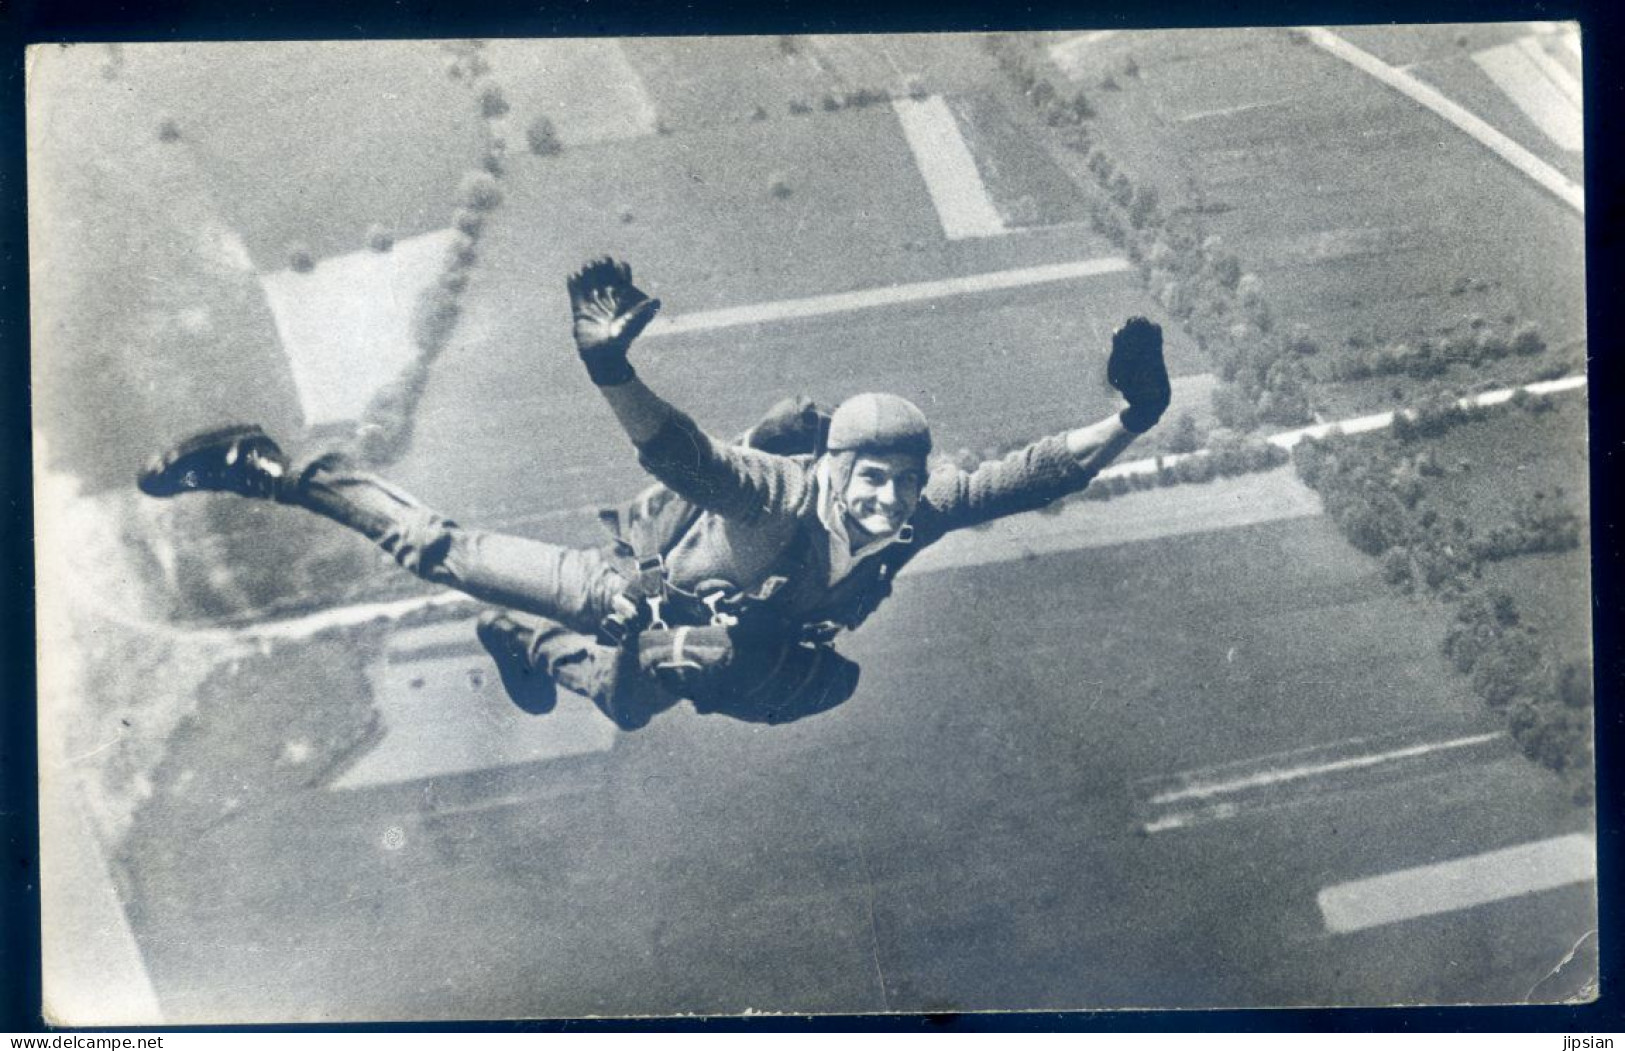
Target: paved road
x,y
977,828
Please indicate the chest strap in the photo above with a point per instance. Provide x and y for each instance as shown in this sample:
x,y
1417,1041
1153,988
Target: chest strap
x,y
650,601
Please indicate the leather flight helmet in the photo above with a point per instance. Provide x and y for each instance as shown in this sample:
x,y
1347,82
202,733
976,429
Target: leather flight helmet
x,y
879,423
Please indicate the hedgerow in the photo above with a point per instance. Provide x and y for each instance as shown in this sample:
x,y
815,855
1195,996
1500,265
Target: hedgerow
x,y
1372,487
1430,356
385,430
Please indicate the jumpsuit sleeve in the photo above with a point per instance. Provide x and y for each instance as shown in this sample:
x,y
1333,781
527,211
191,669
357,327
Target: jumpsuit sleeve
x,y
729,480
1025,480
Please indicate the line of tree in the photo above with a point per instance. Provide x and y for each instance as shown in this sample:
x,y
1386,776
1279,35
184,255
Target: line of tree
x,y
852,98
1473,346
1190,272
1376,488
385,431
1539,523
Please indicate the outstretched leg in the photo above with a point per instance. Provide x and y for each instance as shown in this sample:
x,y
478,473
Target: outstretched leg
x,y
573,587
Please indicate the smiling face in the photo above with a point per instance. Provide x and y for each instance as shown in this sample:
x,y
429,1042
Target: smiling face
x,y
881,494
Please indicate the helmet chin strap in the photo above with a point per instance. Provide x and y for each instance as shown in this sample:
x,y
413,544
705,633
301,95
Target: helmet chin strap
x,y
850,524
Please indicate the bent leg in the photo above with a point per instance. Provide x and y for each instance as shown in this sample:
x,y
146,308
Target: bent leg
x,y
780,685
572,586
577,662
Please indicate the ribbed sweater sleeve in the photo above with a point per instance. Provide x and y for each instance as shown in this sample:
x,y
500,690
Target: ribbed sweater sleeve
x,y
730,480
1025,480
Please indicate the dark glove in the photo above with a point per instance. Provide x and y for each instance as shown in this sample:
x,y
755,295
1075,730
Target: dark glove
x,y
609,312
1136,369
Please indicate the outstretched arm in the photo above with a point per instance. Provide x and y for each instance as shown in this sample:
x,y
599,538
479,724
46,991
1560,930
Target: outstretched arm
x,y
641,412
1097,445
609,312
1055,467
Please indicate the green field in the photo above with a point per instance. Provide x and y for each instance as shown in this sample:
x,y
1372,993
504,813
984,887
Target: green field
x,y
1302,185
969,820
1496,465
148,320
681,78
314,142
1492,464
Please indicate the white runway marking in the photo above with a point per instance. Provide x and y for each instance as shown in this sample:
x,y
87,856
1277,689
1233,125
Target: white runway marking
x,y
1204,796
1381,420
948,168
1449,886
1548,177
1356,425
1546,92
1553,70
1186,818
1228,111
1267,778
891,295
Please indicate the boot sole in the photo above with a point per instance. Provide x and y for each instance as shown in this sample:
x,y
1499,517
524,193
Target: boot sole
x,y
159,477
529,688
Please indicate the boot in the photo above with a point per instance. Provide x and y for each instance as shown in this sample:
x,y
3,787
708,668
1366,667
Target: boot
x,y
509,644
242,460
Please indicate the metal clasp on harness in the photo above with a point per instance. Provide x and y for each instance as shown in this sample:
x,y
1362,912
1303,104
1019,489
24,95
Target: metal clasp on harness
x,y
718,618
652,575
680,661
652,582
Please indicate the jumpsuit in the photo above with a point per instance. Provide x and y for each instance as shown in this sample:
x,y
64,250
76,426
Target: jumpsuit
x,y
760,517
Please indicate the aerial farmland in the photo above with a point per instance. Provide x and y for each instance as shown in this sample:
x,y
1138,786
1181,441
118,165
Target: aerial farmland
x,y
1292,706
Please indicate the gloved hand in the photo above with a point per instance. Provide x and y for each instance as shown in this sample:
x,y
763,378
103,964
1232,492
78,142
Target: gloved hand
x,y
609,312
1136,369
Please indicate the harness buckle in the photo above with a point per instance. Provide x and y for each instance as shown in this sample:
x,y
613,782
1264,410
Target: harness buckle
x,y
718,617
652,575
612,631
656,621
679,661
624,620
